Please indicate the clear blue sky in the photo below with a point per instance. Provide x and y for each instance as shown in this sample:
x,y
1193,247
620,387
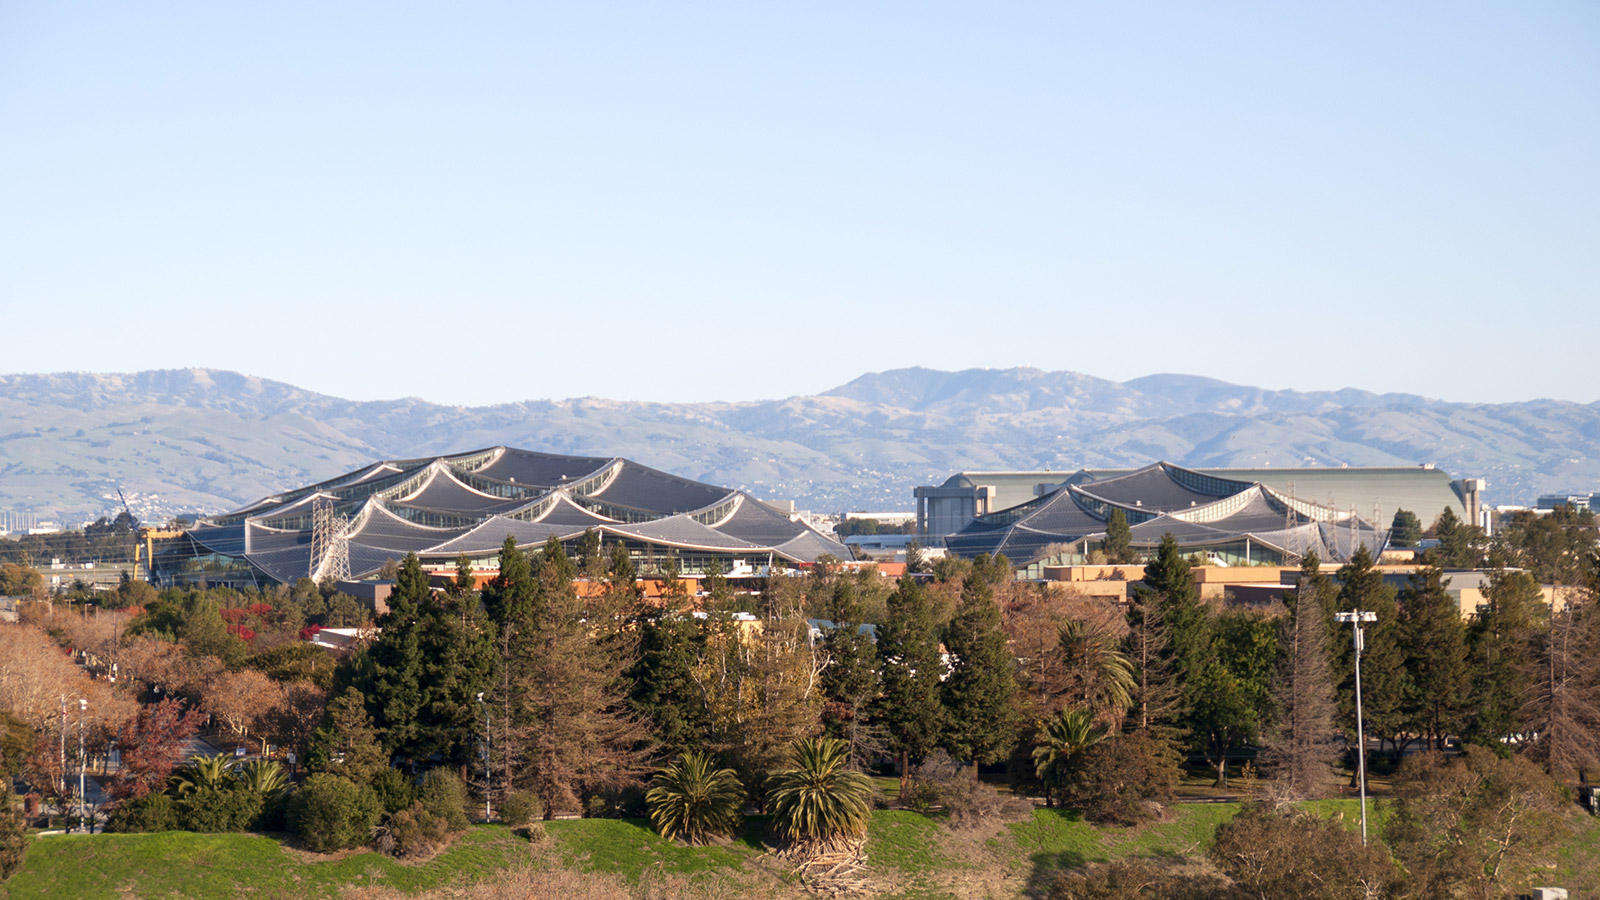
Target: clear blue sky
x,y
474,203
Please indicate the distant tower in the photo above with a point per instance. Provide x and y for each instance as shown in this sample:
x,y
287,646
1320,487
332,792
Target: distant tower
x,y
330,545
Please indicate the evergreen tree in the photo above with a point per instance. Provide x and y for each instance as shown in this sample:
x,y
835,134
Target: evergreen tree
x,y
978,696
1557,549
1435,668
205,633
395,693
1300,753
1501,644
509,600
662,686
1169,576
1406,530
591,561
908,655
1232,695
346,743
1119,538
459,660
566,701
1459,542
622,574
464,583
850,680
1361,587
509,595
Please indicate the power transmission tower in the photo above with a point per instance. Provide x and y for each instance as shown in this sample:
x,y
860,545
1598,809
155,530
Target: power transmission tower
x,y
1293,547
330,545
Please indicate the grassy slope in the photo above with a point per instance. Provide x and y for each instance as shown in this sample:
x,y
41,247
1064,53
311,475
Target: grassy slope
x,y
912,857
181,864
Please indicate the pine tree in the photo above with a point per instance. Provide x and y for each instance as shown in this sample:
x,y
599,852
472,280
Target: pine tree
x,y
1458,541
979,694
908,654
346,743
459,661
662,686
1361,587
1406,529
395,693
591,561
1169,576
1435,667
576,733
850,680
509,595
509,600
1119,538
464,583
1300,753
1501,643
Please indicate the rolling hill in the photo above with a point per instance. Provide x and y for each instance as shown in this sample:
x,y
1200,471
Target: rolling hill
x,y
205,440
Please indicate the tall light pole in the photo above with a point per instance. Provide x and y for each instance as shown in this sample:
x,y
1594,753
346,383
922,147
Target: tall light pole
x,y
486,813
61,806
1356,617
83,802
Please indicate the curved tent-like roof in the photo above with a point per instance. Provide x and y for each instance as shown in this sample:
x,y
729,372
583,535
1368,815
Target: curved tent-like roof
x,y
1248,522
469,503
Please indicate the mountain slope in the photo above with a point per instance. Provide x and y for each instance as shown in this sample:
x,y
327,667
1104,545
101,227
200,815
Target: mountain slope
x,y
207,440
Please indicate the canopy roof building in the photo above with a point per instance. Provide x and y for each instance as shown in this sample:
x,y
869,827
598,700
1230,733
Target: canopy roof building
x,y
469,503
1234,521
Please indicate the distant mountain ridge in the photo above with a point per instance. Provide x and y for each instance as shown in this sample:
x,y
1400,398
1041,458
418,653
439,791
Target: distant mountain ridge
x,y
206,440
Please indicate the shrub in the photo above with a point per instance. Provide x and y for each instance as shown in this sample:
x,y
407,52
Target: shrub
x,y
13,840
413,832
519,808
443,795
1291,854
1123,780
689,799
332,813
967,802
1136,878
1464,826
152,812
395,789
218,811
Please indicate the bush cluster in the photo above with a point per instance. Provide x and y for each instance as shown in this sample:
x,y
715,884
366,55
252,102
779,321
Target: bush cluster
x,y
13,841
519,808
333,813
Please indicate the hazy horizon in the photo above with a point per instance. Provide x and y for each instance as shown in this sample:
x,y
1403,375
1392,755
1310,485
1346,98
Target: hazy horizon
x,y
778,397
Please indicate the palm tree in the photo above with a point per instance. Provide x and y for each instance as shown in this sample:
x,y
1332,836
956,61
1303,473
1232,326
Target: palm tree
x,y
690,800
1063,739
1099,673
203,773
264,777
820,800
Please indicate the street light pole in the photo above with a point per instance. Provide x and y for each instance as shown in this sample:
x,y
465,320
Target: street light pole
x,y
1356,617
83,801
486,812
